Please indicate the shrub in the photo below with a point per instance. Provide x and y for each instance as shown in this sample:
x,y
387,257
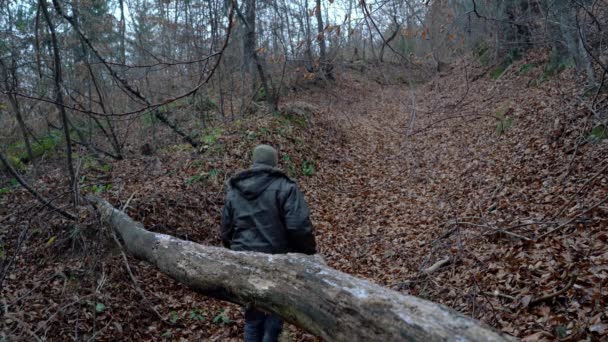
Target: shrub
x,y
308,168
598,133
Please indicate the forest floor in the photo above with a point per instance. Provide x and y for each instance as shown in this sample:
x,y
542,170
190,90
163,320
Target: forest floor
x,y
502,177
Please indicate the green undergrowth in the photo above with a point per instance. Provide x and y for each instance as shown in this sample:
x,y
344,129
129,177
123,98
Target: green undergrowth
x,y
210,141
17,153
8,187
203,103
525,68
504,122
292,119
227,147
208,177
260,95
174,105
554,66
592,90
91,163
481,52
148,119
506,62
598,133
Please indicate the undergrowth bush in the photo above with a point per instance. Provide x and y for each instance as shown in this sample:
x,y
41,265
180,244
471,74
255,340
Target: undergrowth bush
x,y
17,153
511,57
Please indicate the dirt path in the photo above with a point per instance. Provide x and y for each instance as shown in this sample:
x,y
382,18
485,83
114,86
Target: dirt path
x,y
497,157
365,197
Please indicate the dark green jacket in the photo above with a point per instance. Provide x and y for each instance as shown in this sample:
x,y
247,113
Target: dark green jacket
x,y
266,212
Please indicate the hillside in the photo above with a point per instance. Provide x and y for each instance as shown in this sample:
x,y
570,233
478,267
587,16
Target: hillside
x,y
503,179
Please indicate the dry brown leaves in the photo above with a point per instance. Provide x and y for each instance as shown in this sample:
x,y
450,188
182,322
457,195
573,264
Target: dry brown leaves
x,y
386,206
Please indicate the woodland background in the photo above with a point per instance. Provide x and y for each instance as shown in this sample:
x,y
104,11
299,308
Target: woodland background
x,y
466,132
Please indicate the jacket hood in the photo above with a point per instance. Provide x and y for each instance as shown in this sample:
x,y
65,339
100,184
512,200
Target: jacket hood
x,y
252,182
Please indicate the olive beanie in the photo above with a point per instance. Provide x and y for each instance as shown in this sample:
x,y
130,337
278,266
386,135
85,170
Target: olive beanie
x,y
265,154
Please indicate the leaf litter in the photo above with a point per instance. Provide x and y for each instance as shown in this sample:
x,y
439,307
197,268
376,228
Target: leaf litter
x,y
493,176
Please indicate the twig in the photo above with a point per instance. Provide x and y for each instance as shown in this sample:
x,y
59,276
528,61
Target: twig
x,y
24,325
137,287
437,265
39,197
499,295
93,337
564,207
496,229
573,219
126,205
556,293
42,283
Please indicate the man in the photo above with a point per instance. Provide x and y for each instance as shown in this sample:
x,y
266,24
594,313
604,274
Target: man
x,y
265,212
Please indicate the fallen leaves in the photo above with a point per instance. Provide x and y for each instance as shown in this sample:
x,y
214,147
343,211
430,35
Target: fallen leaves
x,y
386,207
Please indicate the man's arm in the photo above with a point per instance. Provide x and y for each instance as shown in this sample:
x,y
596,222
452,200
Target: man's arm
x,y
227,229
297,222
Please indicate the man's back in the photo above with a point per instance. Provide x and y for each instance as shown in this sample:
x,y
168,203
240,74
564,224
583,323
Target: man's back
x,y
266,212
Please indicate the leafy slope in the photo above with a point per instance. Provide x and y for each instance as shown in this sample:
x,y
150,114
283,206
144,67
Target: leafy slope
x,y
485,171
467,186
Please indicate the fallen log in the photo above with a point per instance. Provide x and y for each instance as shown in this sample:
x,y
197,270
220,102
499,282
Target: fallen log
x,y
326,302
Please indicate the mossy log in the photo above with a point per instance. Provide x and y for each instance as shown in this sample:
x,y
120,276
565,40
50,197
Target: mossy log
x,y
326,302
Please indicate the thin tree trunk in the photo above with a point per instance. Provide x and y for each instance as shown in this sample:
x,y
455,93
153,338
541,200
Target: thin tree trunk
x,y
11,82
163,119
388,40
249,41
308,38
326,67
59,102
111,136
11,85
17,110
122,29
271,99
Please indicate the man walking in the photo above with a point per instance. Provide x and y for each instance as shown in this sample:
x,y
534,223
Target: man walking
x,y
265,212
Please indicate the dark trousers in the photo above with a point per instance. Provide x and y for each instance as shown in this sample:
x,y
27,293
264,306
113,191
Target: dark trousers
x,y
261,327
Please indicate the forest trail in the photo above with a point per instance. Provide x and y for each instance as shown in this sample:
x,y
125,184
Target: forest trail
x,y
366,195
455,151
483,177
487,169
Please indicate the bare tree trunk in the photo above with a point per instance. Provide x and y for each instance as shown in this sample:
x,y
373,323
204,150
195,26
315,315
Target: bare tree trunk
x,y
12,99
111,135
322,300
389,39
59,102
249,41
122,29
271,99
17,110
305,26
11,83
326,67
349,32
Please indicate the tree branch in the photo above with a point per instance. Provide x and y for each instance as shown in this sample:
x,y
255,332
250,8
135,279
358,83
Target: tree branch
x,y
324,301
39,197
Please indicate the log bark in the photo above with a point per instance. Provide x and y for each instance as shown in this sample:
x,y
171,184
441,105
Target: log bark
x,y
305,292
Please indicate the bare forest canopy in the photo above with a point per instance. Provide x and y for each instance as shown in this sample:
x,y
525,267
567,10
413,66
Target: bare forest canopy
x,y
451,150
